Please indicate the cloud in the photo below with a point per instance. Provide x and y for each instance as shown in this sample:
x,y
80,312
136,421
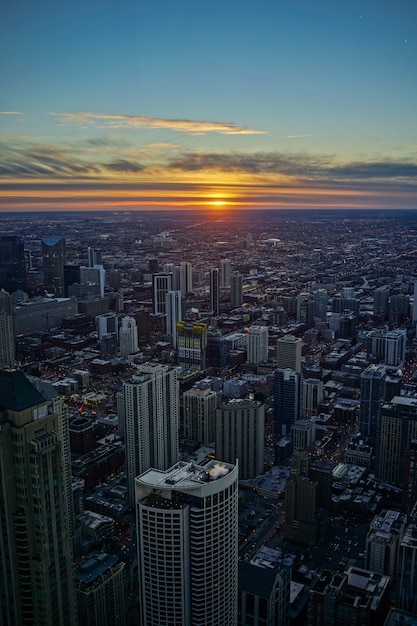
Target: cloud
x,y
11,113
189,127
122,165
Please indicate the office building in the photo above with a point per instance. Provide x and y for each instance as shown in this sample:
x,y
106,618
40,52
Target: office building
x,y
407,567
346,301
312,396
128,336
356,596
161,284
12,264
191,345
7,342
100,584
149,411
236,290
94,257
187,529
200,403
264,595
409,491
175,310
42,314
36,585
382,542
397,427
395,347
288,353
302,522
185,277
321,300
258,344
225,271
214,292
107,324
305,309
372,395
381,301
287,400
54,259
303,434
240,432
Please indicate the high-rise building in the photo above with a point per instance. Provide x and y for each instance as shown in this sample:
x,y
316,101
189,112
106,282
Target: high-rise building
x,y
128,335
406,598
372,394
161,284
12,264
54,259
288,353
409,492
191,345
100,584
214,292
264,595
149,412
397,427
187,529
381,301
240,432
225,270
320,299
414,309
312,396
395,347
107,324
200,403
382,542
258,344
7,342
186,277
287,400
94,257
236,290
36,584
175,313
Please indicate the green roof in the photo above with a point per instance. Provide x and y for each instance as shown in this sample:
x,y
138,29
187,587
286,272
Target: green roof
x,y
17,392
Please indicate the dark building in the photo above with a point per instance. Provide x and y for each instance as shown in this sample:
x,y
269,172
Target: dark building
x,y
215,292
264,595
12,264
82,438
54,259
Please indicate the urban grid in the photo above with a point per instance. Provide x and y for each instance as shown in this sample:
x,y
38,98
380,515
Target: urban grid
x,y
208,418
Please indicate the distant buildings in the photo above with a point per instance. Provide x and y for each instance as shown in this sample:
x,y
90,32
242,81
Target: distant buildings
x,y
187,533
12,264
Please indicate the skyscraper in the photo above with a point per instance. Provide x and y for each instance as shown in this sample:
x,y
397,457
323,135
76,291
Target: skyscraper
x,y
175,313
225,269
54,259
236,290
128,335
214,292
200,403
149,410
36,585
187,530
161,284
288,352
372,394
287,400
257,344
7,342
12,264
186,277
192,345
240,432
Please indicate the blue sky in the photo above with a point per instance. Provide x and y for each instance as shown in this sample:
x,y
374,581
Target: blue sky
x,y
159,103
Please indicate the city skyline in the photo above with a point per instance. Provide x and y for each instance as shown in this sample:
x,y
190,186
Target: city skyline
x,y
159,105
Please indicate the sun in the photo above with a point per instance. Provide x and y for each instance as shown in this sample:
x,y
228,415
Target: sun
x,y
218,203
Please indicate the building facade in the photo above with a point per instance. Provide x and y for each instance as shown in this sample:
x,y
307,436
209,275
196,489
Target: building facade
x,y
187,529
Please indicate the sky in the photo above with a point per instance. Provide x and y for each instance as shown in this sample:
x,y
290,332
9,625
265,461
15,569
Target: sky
x,y
148,104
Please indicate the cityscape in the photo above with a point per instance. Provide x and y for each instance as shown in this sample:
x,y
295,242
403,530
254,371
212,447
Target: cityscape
x,y
208,417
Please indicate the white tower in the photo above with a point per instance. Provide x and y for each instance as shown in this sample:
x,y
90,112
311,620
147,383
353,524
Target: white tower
x,y
149,405
175,313
257,344
187,535
128,335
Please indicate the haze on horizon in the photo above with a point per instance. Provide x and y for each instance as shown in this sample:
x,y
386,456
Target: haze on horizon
x,y
198,105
